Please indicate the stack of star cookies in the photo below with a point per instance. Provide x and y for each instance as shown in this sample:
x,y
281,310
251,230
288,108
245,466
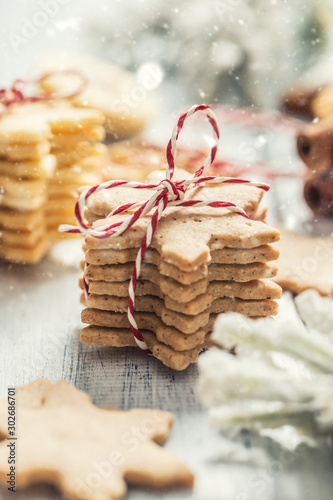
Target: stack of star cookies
x,y
75,142
25,167
38,189
201,262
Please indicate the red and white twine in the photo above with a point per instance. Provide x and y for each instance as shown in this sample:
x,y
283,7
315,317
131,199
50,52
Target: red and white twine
x,y
168,193
17,94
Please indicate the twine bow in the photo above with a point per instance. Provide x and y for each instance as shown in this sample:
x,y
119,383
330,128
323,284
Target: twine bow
x,y
17,95
168,193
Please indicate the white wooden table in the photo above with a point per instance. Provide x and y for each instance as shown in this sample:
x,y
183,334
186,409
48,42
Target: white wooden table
x,y
39,337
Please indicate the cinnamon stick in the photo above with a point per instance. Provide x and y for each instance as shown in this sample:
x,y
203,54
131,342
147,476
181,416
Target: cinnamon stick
x,y
315,144
297,101
318,193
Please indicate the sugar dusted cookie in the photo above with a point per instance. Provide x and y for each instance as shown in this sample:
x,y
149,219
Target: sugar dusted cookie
x,y
206,231
175,295
86,451
38,169
185,351
24,136
21,221
246,197
261,290
263,253
114,309
21,253
228,272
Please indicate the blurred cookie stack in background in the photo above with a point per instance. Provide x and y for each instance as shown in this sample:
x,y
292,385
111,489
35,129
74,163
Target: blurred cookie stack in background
x,y
111,97
39,189
25,168
135,160
80,156
50,148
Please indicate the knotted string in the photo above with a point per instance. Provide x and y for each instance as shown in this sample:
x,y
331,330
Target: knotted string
x,y
16,94
168,193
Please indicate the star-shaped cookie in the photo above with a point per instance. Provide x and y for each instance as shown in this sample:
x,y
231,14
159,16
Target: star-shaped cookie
x,y
86,451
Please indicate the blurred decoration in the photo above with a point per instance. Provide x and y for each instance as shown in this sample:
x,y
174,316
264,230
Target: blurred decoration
x,y
126,101
242,52
311,94
135,160
239,52
280,383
